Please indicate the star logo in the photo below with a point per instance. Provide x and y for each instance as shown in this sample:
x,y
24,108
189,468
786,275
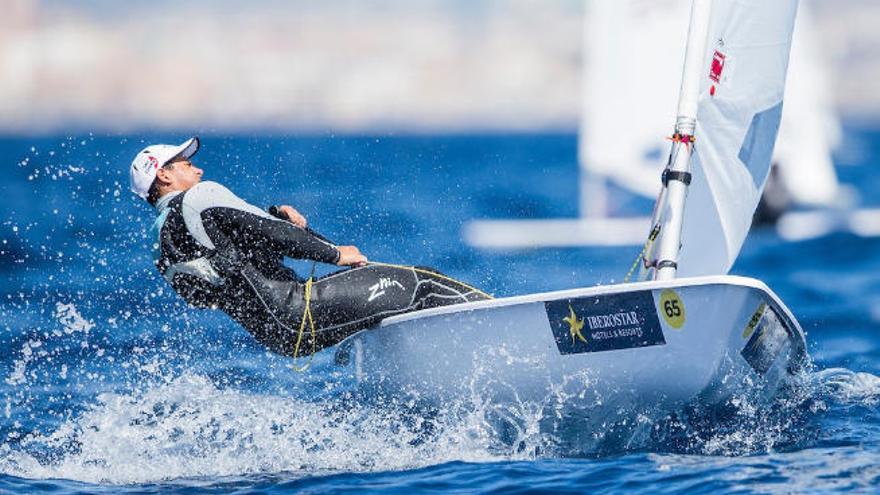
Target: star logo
x,y
574,326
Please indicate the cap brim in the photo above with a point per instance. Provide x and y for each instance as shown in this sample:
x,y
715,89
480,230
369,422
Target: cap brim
x,y
187,149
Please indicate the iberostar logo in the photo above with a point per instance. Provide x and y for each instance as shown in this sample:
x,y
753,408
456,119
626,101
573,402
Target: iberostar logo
x,y
605,322
574,326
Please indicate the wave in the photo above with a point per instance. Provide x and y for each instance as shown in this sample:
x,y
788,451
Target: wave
x,y
186,424
189,427
843,387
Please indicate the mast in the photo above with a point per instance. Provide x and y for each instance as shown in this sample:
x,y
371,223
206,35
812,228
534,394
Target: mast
x,y
677,176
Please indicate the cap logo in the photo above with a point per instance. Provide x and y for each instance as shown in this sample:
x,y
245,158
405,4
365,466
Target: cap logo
x,y
153,161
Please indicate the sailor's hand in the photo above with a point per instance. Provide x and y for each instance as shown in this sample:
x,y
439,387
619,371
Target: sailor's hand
x,y
350,256
294,216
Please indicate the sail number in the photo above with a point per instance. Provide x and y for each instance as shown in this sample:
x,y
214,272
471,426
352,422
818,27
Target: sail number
x,y
672,308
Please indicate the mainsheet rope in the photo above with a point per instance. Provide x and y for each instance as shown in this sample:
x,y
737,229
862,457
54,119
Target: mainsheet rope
x,y
307,315
651,238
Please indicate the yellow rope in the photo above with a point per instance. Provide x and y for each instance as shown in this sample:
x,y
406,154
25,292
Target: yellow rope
x,y
307,316
651,238
433,274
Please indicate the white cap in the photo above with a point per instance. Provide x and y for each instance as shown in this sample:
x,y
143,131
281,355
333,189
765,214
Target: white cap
x,y
147,163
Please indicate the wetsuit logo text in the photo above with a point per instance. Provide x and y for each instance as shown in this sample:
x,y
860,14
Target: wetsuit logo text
x,y
378,289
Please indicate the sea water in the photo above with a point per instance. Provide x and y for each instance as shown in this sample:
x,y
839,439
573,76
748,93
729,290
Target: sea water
x,y
109,383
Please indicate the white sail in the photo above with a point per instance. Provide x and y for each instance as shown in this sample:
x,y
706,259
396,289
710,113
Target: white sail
x,y
629,96
738,117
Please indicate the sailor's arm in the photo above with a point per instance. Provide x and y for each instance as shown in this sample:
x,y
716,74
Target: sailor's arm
x,y
224,215
348,255
259,232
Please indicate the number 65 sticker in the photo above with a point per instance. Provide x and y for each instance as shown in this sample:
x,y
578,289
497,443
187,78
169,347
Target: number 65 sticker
x,y
672,308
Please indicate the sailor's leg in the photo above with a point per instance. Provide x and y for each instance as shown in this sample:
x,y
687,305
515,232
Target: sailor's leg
x,y
350,300
271,310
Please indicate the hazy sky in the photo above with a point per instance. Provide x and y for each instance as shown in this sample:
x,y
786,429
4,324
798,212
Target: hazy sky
x,y
348,64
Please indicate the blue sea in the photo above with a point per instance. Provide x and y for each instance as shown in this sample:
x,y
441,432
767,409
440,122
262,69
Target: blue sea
x,y
110,384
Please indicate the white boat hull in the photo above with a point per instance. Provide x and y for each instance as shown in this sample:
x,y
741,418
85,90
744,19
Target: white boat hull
x,y
658,343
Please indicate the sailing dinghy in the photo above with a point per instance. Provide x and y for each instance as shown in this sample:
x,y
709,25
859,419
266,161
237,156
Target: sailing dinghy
x,y
687,331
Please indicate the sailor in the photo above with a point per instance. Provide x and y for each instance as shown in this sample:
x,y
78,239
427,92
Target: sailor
x,y
218,251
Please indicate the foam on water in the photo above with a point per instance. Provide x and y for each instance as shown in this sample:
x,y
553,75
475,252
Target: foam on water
x,y
845,387
191,428
190,425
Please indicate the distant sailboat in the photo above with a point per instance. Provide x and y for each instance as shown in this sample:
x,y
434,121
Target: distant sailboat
x,y
619,84
628,45
810,129
629,92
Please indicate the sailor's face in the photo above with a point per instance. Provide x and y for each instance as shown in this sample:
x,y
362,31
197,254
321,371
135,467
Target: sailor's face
x,y
182,174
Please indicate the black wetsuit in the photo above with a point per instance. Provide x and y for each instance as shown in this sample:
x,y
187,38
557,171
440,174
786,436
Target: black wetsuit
x,y
217,251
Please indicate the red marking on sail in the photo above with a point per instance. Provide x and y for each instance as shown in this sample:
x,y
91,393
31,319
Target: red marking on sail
x,y
717,66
